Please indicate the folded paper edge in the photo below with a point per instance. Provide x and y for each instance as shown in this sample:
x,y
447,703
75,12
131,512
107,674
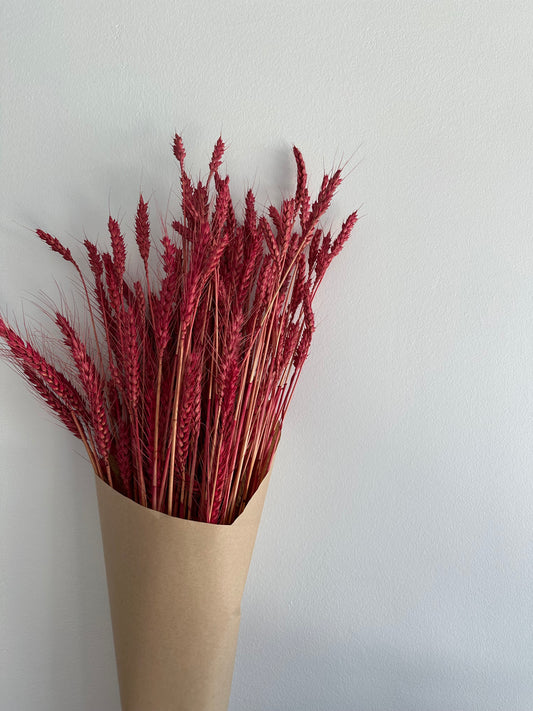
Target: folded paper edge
x,y
253,508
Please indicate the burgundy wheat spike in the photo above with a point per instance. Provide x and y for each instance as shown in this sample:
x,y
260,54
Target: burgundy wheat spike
x,y
250,217
290,344
112,282
301,183
95,260
26,356
266,282
323,187
55,245
230,354
296,246
238,249
218,181
92,384
97,269
216,158
287,224
165,303
191,290
313,248
123,456
215,255
323,258
200,269
325,196
187,414
119,249
131,357
320,206
253,254
223,477
230,388
142,230
221,209
305,209
275,217
345,232
299,283
185,232
65,414
201,201
188,208
302,350
269,238
309,316
179,150
200,246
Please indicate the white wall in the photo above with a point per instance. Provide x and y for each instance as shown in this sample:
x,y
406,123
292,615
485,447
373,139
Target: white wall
x,y
394,565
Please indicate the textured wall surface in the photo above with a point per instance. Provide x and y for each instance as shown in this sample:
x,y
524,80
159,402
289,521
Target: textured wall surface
x,y
394,565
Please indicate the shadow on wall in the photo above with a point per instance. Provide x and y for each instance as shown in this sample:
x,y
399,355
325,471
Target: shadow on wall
x,y
314,673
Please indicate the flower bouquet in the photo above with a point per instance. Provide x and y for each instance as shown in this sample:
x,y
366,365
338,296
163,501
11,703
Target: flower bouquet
x,y
178,390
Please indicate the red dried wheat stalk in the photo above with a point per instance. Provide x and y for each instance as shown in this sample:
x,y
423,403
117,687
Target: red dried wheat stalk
x,y
183,408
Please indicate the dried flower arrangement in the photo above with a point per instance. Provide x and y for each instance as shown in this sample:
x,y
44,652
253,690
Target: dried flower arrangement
x,y
181,392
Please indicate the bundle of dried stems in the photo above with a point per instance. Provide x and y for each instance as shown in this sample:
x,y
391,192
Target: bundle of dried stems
x,y
180,394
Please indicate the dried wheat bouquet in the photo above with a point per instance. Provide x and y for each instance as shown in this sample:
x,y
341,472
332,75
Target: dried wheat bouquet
x,y
180,392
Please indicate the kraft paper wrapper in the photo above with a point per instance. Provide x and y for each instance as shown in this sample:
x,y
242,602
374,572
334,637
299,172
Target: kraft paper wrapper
x,y
175,590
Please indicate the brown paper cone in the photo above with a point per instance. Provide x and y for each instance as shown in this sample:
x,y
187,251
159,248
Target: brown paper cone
x,y
175,590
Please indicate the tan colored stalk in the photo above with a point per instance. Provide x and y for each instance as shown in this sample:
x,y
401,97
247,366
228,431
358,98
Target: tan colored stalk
x,y
244,443
262,351
177,388
213,444
143,500
192,468
270,454
205,493
158,393
156,432
174,420
276,293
